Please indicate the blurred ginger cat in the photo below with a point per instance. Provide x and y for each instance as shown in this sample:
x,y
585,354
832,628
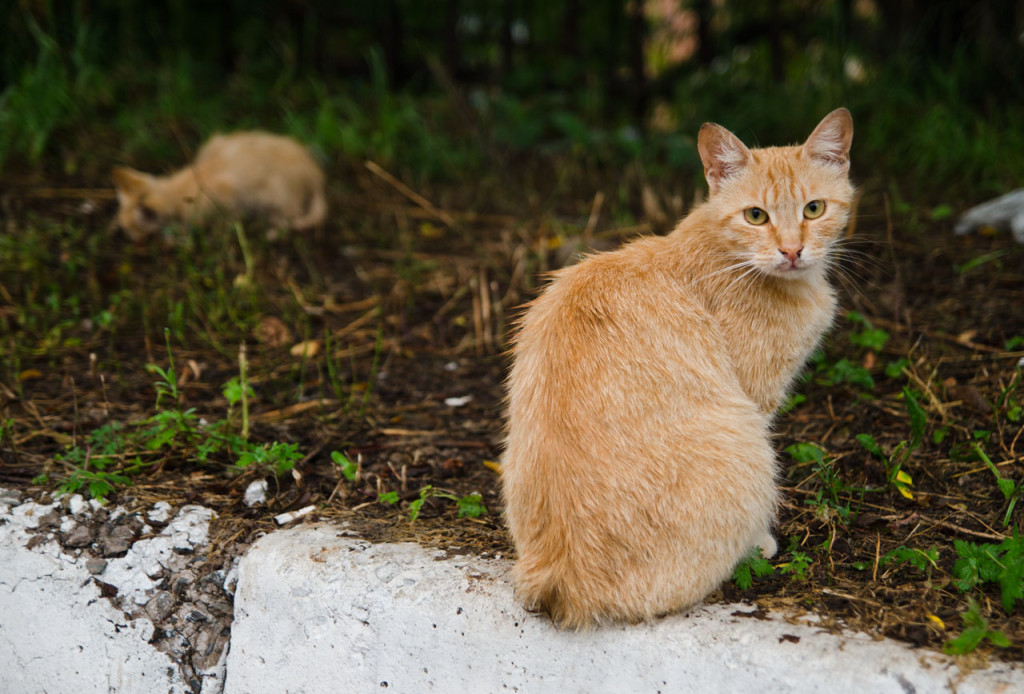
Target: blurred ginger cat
x,y
242,174
638,469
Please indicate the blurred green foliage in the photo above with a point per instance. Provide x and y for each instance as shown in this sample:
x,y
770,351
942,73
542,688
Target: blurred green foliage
x,y
447,89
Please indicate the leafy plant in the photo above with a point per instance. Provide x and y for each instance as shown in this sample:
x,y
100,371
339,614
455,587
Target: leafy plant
x,y
976,630
894,369
1008,402
469,506
921,559
974,263
831,484
754,564
918,417
349,469
845,371
798,566
1011,492
866,335
276,457
1001,563
896,477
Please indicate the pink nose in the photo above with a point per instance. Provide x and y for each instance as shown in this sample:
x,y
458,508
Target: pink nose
x,y
792,254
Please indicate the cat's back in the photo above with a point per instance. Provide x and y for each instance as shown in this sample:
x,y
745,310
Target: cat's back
x,y
251,152
616,295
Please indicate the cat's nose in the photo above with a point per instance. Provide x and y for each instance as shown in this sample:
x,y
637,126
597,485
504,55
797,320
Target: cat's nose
x,y
791,253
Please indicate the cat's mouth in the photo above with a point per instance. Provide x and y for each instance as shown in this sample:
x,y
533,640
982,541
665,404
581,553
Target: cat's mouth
x,y
790,268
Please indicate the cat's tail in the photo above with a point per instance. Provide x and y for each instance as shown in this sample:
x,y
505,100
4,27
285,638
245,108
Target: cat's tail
x,y
315,213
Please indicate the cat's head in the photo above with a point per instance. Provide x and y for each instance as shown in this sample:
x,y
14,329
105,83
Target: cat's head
x,y
781,209
145,207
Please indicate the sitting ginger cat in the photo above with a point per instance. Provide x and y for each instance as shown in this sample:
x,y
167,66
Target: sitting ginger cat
x,y
638,469
242,174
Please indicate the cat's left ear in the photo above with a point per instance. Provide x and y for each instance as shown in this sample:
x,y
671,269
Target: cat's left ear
x,y
830,142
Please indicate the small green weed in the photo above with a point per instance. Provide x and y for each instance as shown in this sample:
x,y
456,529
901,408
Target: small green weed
x,y
348,469
1011,492
896,477
276,457
894,369
1002,564
469,506
976,630
924,560
754,564
827,497
975,263
1009,402
798,566
845,371
865,334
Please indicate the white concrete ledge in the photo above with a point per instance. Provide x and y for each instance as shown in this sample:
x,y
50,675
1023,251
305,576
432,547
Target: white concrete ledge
x,y
318,612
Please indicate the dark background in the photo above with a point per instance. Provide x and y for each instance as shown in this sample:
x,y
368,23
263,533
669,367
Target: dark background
x,y
936,87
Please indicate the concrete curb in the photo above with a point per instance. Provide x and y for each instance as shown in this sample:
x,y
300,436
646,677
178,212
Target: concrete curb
x,y
316,611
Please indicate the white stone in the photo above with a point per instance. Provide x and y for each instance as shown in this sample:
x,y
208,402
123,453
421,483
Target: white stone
x,y
459,401
160,512
256,493
77,504
1004,212
313,610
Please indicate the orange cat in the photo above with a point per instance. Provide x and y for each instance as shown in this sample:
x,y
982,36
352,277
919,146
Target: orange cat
x,y
638,468
246,173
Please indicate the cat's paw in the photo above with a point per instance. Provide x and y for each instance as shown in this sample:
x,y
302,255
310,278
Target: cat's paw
x,y
768,546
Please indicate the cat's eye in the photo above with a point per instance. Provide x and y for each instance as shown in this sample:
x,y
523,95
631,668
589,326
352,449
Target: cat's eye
x,y
814,209
147,213
755,215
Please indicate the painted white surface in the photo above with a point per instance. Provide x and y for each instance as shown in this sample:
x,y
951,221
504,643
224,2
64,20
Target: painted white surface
x,y
57,634
319,612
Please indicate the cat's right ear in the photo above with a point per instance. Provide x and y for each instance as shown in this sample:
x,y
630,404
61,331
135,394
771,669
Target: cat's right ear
x,y
722,154
128,181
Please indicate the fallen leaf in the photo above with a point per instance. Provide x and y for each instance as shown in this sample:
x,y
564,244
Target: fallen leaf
x,y
306,348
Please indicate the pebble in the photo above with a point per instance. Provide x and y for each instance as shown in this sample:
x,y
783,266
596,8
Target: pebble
x,y
118,541
95,566
77,504
159,606
79,537
256,493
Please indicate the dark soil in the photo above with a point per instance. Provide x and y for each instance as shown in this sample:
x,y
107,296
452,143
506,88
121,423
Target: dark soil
x,y
418,304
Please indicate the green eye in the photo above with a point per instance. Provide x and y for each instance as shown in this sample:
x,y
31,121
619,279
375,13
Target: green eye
x,y
756,216
814,209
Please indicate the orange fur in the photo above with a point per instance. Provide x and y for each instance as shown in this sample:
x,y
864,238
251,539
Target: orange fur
x,y
638,468
245,173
